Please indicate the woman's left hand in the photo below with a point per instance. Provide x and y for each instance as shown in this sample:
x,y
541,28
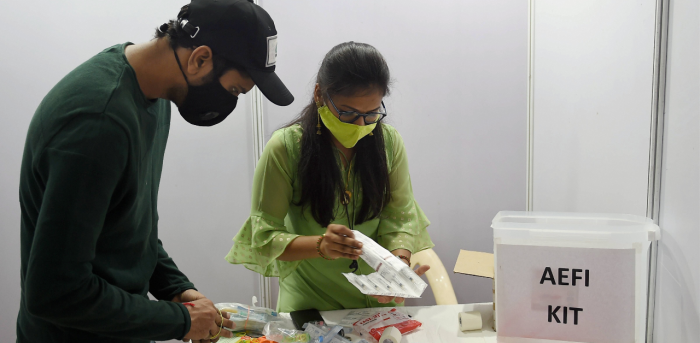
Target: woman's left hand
x,y
387,299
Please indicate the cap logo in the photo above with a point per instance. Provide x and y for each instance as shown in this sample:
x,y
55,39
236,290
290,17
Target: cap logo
x,y
271,51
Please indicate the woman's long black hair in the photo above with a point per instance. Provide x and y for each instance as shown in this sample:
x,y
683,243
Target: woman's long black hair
x,y
348,69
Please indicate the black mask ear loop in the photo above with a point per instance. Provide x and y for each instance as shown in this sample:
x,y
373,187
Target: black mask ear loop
x,y
180,66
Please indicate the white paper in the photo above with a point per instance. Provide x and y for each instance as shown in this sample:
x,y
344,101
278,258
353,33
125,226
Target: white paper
x,y
595,304
392,278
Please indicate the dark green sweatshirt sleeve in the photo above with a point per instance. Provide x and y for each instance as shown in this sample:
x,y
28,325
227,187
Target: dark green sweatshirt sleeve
x,y
167,280
80,168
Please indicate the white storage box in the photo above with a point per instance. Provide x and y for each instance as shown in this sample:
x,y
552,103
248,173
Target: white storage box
x,y
571,277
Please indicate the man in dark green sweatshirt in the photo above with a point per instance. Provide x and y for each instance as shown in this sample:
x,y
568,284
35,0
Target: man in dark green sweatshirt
x,y
91,169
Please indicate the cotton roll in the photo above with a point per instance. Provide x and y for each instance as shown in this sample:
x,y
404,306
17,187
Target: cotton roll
x,y
470,321
390,335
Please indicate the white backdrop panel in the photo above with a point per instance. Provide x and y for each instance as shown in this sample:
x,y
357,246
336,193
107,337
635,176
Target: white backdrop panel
x,y
459,101
592,72
677,317
205,187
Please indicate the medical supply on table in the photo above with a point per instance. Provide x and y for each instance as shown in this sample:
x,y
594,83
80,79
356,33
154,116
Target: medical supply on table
x,y
320,333
391,335
283,332
332,333
248,318
393,277
373,327
355,315
469,321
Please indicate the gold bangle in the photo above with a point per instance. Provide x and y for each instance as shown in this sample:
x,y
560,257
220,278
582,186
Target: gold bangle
x,y
318,248
220,327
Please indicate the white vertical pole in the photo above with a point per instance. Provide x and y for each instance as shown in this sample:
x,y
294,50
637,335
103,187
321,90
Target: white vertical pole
x,y
658,105
258,146
530,105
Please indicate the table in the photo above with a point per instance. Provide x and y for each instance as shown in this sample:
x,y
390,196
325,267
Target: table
x,y
440,323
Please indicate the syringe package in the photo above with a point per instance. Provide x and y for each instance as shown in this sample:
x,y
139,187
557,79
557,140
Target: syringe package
x,y
248,318
392,278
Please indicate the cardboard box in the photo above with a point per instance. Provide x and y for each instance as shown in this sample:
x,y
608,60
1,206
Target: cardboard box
x,y
478,264
475,263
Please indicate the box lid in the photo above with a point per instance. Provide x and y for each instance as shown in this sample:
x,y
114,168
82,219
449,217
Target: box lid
x,y
589,224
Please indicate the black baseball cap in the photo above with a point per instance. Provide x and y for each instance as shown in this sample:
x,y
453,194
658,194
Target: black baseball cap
x,y
243,33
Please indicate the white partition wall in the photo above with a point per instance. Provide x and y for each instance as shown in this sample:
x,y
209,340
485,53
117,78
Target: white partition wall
x,y
677,316
459,101
592,115
603,140
590,104
204,200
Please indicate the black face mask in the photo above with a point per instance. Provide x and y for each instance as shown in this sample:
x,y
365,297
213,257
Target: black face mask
x,y
208,104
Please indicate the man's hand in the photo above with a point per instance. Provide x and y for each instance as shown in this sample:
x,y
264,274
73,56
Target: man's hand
x,y
188,296
386,299
205,322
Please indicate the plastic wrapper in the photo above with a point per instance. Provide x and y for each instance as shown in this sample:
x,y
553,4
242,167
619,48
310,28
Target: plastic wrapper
x,y
355,315
320,333
372,327
392,278
283,332
248,318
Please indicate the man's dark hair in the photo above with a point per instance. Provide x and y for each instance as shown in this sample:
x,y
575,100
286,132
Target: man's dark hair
x,y
179,38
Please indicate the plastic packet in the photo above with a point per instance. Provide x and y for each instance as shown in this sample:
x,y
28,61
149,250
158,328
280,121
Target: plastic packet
x,y
393,276
354,316
320,333
373,326
283,332
248,318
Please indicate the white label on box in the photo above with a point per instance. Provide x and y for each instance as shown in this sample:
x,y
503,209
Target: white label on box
x,y
565,294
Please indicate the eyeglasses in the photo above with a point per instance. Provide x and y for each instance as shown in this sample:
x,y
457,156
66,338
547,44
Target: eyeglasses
x,y
352,116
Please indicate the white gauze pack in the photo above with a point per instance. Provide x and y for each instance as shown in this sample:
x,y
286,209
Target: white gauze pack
x,y
393,277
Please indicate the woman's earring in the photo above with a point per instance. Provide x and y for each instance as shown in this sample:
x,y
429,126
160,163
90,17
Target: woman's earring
x,y
318,118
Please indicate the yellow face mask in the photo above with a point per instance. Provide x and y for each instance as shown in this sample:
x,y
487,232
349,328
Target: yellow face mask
x,y
347,134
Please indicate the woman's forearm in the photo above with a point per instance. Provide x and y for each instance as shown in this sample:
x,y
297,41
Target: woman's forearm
x,y
301,248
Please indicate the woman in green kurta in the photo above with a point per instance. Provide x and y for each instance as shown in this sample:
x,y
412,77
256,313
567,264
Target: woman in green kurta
x,y
335,169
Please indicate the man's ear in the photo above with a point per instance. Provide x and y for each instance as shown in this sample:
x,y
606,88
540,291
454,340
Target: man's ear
x,y
201,61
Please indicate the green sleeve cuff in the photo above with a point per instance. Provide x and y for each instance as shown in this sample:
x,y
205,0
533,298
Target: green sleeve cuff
x,y
188,320
403,240
258,245
404,228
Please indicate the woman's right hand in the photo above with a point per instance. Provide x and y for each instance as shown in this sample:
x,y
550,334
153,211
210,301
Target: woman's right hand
x,y
340,242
